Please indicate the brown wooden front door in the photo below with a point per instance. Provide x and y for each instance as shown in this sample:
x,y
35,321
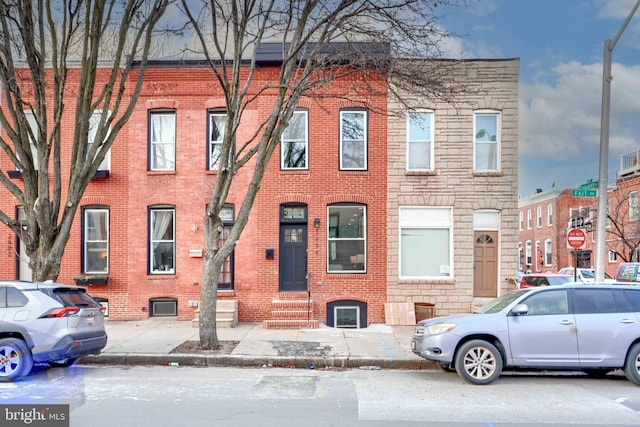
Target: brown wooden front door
x,y
485,264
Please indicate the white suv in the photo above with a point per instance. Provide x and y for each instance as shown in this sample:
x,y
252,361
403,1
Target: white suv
x,y
46,323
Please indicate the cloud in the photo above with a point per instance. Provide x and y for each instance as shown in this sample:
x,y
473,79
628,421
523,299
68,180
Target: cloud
x,y
560,122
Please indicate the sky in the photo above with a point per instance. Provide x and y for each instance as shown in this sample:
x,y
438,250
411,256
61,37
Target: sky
x,y
560,44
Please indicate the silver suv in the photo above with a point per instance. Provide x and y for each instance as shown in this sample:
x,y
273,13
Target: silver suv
x,y
594,329
46,323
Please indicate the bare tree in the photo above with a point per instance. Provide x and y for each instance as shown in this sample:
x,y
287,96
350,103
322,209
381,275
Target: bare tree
x,y
55,54
317,42
623,224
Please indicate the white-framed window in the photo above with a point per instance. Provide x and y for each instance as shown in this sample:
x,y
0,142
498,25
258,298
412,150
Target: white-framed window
x,y
520,256
347,238
527,249
420,141
486,147
162,242
94,121
162,140
613,256
294,146
217,123
548,253
539,216
426,246
550,214
521,221
528,219
95,240
633,205
353,140
33,125
346,316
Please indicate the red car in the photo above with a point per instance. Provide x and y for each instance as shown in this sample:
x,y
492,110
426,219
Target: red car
x,y
544,279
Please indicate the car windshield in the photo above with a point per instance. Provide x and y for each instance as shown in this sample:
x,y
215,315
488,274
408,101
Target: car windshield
x,y
498,304
559,280
588,274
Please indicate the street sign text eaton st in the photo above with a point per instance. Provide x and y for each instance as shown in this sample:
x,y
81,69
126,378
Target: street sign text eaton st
x,y
588,189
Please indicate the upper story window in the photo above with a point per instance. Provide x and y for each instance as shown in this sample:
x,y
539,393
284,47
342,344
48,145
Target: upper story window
x,y
95,240
94,121
33,126
529,219
633,205
353,140
426,246
539,216
486,147
521,221
419,141
217,123
162,242
162,140
347,239
294,153
549,214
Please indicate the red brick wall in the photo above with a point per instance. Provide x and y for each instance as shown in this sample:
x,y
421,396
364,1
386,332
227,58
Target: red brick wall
x,y
131,189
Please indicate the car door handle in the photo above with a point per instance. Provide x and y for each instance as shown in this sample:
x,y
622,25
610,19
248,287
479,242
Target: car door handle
x,y
566,322
627,321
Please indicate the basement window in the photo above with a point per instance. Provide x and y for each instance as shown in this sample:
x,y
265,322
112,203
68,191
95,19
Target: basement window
x,y
163,307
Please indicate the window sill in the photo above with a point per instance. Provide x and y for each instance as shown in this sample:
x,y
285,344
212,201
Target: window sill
x,y
420,173
167,172
91,279
488,173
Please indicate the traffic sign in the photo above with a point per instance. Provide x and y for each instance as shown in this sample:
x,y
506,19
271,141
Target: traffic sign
x,y
584,193
577,222
576,238
590,185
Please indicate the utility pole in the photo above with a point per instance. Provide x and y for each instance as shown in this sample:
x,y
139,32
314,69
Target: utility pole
x,y
601,224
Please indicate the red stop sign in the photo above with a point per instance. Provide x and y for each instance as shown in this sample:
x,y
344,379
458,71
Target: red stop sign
x,y
576,238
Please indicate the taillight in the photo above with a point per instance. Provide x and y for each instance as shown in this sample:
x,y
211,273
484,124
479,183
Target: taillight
x,y
60,312
103,309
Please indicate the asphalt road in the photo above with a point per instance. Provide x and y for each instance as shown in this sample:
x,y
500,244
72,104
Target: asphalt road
x,y
189,396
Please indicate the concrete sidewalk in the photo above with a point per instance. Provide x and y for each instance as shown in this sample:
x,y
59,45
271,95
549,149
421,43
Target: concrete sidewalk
x,y
149,342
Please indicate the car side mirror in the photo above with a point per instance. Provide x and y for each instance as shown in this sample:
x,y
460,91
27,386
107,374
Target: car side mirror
x,y
519,310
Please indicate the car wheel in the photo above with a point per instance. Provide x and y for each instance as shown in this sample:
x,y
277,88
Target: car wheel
x,y
478,362
15,359
445,366
62,363
632,364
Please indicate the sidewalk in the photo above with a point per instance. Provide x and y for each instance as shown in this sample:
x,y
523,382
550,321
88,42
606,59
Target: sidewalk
x,y
149,342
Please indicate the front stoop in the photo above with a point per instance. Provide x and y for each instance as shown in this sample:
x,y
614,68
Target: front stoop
x,y
291,311
226,314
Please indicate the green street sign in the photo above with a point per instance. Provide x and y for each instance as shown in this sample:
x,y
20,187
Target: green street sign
x,y
584,193
590,185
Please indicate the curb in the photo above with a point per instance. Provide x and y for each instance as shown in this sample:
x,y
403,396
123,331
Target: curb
x,y
340,362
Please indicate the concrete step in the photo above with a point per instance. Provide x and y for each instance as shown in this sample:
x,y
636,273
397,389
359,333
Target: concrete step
x,y
290,324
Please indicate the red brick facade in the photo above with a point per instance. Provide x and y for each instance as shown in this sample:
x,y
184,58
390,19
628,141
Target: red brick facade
x,y
131,189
